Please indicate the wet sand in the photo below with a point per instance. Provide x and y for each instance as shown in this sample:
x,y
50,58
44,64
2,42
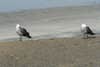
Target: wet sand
x,y
58,52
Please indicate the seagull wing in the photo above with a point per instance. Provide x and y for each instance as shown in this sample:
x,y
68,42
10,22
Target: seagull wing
x,y
89,31
25,33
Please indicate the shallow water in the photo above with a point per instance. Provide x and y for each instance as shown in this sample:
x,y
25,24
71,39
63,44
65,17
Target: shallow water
x,y
50,23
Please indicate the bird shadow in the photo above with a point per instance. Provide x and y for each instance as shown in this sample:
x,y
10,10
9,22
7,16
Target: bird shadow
x,y
89,37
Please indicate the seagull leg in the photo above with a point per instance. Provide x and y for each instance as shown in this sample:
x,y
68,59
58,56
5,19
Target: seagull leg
x,y
83,36
20,39
87,36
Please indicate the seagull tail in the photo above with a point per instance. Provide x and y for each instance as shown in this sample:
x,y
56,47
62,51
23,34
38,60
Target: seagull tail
x,y
29,36
93,33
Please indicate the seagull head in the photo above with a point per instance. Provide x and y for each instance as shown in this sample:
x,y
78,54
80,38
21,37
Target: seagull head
x,y
17,25
83,25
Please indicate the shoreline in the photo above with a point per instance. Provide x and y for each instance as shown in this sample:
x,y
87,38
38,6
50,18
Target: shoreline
x,y
51,22
56,38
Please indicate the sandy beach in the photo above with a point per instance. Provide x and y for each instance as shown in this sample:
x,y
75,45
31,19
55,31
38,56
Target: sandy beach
x,y
58,52
56,38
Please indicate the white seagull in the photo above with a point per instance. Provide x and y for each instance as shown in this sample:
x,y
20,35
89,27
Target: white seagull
x,y
86,31
22,32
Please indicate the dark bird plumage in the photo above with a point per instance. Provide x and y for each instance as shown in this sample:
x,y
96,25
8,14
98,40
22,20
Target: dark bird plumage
x,y
25,33
89,31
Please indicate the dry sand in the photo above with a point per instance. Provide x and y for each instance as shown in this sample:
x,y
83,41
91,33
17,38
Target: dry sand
x,y
61,52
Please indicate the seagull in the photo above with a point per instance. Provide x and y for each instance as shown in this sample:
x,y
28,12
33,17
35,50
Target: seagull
x,y
22,32
86,31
